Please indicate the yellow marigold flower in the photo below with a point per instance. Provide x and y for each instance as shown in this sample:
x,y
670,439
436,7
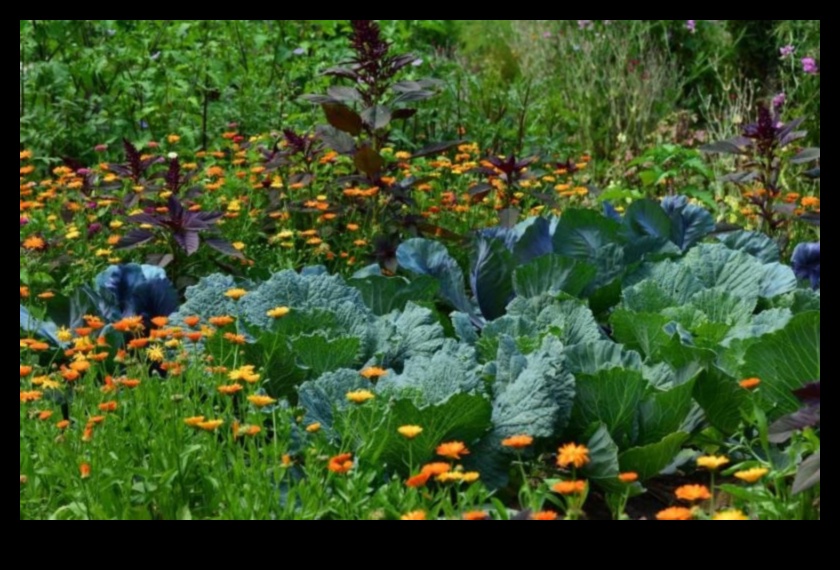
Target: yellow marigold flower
x,y
238,245
414,516
675,514
712,463
454,450
236,294
752,476
352,227
567,488
194,422
450,477
518,442
313,428
471,477
373,373
278,313
410,432
211,425
172,139
360,397
693,493
810,202
544,516
731,516
750,383
262,401
573,455
155,354
244,373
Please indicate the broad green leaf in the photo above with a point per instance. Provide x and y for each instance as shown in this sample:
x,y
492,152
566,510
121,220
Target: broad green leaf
x,y
580,234
737,273
664,413
722,399
319,354
534,395
777,279
382,295
603,468
553,274
757,244
786,360
643,332
427,257
612,398
720,306
592,357
403,335
321,398
649,460
462,417
492,277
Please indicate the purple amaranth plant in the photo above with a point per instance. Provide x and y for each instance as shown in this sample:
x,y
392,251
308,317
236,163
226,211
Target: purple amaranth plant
x,y
787,51
181,227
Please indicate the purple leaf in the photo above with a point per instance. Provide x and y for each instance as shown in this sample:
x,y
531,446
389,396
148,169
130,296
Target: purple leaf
x,y
224,247
135,238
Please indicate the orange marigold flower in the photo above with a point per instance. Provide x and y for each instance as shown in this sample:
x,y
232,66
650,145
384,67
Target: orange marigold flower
x,y
63,425
247,431
810,202
752,476
34,243
373,373
712,462
436,469
45,415
25,371
544,516
230,390
628,478
192,321
236,294
360,397
262,401
418,481
476,516
567,488
96,420
410,432
160,322
69,375
80,366
32,396
237,339
84,470
108,407
24,292
194,422
454,450
518,442
675,514
211,425
414,516
94,322
222,321
46,296
731,516
573,455
341,464
693,493
194,336
750,383
138,343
